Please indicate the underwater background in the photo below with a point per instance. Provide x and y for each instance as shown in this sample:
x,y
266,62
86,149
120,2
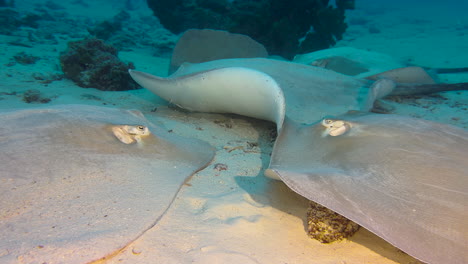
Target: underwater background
x,y
79,52
35,34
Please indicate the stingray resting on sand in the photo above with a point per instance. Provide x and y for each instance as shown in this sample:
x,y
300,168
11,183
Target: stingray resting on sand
x,y
82,182
402,178
362,63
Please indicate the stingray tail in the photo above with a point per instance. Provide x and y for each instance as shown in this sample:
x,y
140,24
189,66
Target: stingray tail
x,y
421,89
449,70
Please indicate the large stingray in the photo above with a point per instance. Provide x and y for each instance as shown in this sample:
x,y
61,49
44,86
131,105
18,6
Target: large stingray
x,y
373,172
79,183
310,92
402,178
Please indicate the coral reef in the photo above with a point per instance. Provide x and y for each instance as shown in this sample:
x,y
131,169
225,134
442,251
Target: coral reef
x,y
327,226
92,63
49,23
284,27
106,29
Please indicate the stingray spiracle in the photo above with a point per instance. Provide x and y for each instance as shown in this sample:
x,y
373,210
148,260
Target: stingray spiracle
x,y
335,127
130,134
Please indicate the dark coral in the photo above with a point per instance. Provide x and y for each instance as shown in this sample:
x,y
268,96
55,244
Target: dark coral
x,y
279,25
92,63
107,28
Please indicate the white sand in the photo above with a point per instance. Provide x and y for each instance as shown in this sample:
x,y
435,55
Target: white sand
x,y
237,215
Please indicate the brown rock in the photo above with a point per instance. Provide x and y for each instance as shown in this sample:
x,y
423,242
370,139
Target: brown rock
x,y
327,226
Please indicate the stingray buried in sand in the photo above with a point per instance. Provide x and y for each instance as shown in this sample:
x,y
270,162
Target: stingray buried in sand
x,y
65,174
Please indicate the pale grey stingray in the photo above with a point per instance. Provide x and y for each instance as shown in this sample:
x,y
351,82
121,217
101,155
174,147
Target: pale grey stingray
x,y
310,92
79,183
402,178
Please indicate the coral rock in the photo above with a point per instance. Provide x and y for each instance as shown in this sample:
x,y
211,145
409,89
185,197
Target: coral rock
x,y
92,63
327,226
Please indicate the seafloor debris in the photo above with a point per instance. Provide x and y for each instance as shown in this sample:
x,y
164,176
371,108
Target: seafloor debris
x,y
23,58
244,146
34,96
220,167
47,78
227,123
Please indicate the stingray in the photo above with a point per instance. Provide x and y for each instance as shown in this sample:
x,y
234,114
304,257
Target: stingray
x,y
82,182
402,178
310,92
369,168
350,61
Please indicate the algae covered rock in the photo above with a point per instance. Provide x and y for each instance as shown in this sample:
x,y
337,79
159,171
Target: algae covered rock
x,y
91,63
327,226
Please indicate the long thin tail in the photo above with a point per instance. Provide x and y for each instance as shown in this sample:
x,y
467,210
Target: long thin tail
x,y
415,89
448,70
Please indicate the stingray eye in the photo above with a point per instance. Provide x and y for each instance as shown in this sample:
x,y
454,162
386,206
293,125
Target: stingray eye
x,y
327,123
141,128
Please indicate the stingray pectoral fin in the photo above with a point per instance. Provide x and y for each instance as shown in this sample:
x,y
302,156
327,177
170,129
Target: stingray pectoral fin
x,y
235,90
